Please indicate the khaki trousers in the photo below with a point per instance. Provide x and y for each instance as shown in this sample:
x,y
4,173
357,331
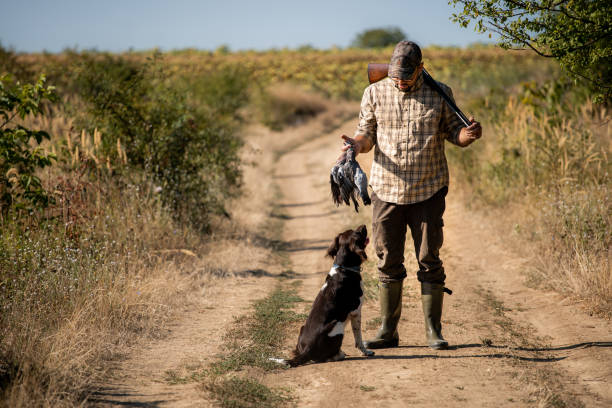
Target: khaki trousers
x,y
389,224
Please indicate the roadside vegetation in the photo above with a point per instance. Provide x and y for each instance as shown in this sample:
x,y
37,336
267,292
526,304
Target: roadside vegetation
x,y
117,170
543,169
109,183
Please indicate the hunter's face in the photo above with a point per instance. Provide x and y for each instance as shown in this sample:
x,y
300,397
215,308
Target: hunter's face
x,y
405,84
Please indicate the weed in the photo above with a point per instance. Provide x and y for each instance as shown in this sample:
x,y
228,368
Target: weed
x,y
546,166
257,337
85,291
367,388
369,280
495,304
235,392
173,377
251,342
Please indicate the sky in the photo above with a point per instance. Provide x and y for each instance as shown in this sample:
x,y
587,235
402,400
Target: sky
x,y
120,25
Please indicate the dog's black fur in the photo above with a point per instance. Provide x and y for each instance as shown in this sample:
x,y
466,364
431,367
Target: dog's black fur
x,y
339,299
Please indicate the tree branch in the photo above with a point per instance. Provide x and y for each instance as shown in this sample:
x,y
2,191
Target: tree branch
x,y
519,40
599,84
6,122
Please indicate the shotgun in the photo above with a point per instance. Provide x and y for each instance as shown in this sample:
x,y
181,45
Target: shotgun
x,y
376,72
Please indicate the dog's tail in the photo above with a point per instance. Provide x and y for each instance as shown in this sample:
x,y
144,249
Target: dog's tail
x,y
297,360
300,358
280,361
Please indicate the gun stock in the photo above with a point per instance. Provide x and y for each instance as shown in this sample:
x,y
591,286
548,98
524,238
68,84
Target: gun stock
x,y
376,72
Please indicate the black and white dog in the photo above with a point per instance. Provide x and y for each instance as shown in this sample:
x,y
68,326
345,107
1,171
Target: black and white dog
x,y
339,300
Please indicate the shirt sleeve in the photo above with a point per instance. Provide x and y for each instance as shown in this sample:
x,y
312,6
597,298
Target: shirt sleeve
x,y
367,117
451,124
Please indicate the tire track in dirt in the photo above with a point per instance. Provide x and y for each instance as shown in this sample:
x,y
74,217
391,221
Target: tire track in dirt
x,y
511,346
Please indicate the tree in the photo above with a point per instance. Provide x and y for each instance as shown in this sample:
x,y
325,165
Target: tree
x,y
379,37
577,33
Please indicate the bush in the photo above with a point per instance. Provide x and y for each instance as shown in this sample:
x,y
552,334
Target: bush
x,y
20,188
92,272
187,146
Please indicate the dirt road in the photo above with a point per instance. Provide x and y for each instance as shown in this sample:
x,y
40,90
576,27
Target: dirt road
x,y
510,345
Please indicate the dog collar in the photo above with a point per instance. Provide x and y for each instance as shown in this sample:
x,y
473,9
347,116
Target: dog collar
x,y
348,268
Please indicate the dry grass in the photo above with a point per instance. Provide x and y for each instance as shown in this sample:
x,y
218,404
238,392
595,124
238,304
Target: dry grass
x,y
546,177
288,105
78,297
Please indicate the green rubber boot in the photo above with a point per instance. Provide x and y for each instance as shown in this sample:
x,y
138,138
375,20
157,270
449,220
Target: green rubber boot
x,y
390,311
432,295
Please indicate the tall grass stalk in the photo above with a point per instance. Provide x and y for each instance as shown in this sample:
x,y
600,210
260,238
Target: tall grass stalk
x,y
548,171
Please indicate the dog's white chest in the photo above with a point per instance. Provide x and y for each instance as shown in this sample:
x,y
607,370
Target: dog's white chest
x,y
337,329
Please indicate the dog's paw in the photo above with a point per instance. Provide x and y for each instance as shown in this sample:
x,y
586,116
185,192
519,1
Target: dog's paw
x,y
338,357
368,353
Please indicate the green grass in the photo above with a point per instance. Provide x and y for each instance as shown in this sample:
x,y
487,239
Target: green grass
x,y
237,392
250,343
257,337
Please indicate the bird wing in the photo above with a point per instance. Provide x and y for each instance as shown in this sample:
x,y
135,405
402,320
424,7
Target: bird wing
x,y
345,184
361,181
335,187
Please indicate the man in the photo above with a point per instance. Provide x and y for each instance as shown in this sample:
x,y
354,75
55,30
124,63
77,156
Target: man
x,y
406,122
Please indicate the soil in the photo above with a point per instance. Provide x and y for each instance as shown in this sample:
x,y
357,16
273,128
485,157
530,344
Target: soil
x,y
511,345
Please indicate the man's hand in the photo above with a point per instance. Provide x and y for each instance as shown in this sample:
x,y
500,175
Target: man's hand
x,y
360,144
469,134
352,142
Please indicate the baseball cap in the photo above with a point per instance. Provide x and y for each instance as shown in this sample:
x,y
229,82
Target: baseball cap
x,y
405,59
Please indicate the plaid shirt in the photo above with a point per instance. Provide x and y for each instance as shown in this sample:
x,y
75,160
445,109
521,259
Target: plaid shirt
x,y
408,131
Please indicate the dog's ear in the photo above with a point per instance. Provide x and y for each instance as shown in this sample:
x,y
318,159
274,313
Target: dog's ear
x,y
363,230
334,247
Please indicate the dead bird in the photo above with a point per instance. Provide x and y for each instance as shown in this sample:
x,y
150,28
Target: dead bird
x,y
347,178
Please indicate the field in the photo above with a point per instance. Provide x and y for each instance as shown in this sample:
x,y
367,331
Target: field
x,y
178,236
